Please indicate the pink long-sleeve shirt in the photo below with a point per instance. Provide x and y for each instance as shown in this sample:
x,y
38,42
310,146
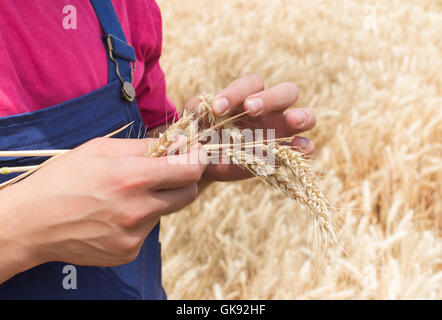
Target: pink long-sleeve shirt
x,y
43,64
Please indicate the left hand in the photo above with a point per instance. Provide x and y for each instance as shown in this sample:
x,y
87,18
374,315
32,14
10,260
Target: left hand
x,y
267,111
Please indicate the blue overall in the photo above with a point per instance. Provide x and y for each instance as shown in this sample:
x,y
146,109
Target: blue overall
x,y
66,126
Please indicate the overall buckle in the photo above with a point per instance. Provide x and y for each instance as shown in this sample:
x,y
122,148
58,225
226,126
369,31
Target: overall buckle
x,y
127,90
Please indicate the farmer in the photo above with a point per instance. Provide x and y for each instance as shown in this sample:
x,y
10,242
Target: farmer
x,y
86,225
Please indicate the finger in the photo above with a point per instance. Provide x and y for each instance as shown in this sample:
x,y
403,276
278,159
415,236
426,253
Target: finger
x,y
274,99
171,171
192,104
301,119
289,124
158,203
228,172
306,145
114,147
234,95
170,201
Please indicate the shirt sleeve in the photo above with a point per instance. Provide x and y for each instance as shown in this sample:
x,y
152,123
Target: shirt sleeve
x,y
155,107
146,32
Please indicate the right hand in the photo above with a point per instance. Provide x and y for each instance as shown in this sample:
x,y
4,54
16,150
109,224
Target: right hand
x,y
96,204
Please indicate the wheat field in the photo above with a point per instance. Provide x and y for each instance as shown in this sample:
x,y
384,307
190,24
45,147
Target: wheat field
x,y
372,71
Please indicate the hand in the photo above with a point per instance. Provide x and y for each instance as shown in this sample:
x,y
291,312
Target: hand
x,y
94,205
267,111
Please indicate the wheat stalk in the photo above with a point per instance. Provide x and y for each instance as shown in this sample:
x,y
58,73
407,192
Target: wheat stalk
x,y
33,169
294,175
166,138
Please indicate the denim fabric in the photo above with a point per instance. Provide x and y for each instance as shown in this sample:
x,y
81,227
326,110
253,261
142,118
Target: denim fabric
x,y
65,126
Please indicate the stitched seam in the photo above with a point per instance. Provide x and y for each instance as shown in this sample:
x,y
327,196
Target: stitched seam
x,y
60,109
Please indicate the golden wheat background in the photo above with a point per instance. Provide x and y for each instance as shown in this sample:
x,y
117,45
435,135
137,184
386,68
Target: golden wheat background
x,y
378,96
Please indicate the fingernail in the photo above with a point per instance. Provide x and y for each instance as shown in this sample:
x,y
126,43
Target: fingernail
x,y
304,143
255,105
300,117
220,105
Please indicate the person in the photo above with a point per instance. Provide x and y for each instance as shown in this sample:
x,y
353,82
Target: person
x,y
96,210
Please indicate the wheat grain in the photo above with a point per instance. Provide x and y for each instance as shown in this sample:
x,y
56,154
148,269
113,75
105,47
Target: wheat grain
x,y
167,137
293,176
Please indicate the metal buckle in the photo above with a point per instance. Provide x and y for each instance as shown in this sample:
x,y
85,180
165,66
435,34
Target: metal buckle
x,y
127,90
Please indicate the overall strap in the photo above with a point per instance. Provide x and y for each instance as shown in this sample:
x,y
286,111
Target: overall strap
x,y
121,55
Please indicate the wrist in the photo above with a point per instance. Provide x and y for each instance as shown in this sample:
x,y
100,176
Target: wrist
x,y
18,251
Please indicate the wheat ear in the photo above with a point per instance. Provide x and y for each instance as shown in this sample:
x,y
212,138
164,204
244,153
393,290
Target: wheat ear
x,y
167,137
294,177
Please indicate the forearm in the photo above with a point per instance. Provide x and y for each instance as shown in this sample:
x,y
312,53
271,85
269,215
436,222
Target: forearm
x,y
16,253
